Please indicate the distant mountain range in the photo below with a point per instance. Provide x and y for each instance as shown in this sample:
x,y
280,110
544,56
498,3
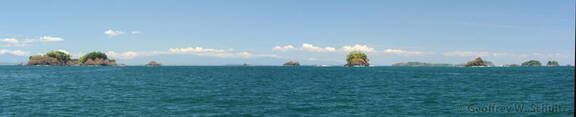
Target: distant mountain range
x,y
421,64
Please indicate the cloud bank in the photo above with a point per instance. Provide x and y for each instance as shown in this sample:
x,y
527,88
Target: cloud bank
x,y
347,48
13,42
14,52
305,47
198,51
114,33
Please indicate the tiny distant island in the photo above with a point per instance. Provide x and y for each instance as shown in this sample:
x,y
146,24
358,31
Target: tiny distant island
x,y
353,59
291,63
477,62
153,63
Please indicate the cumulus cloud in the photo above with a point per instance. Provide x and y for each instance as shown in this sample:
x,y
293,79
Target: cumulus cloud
x,y
49,38
346,48
403,52
194,50
357,47
44,39
15,42
312,48
14,52
474,54
9,40
123,55
305,47
198,51
65,51
135,32
235,54
284,48
111,32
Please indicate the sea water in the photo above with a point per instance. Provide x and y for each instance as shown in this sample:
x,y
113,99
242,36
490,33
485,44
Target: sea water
x,y
285,91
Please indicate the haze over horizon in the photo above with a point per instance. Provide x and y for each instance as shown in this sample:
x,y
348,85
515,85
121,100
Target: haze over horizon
x,y
273,32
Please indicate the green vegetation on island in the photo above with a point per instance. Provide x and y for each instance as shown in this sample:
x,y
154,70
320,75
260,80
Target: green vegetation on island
x,y
59,58
97,58
357,58
59,55
532,63
552,63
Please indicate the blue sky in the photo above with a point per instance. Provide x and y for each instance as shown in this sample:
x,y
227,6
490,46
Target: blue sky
x,y
261,32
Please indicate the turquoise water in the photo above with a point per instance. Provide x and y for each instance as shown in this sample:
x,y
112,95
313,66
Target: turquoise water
x,y
285,91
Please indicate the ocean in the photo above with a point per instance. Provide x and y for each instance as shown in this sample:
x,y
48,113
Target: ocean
x,y
165,91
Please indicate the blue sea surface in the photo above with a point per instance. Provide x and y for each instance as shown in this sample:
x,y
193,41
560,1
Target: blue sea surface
x,y
163,91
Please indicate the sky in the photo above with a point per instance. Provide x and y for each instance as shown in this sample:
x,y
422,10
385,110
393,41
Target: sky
x,y
264,32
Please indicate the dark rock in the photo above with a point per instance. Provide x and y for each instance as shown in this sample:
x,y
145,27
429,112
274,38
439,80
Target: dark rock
x,y
153,63
291,63
476,62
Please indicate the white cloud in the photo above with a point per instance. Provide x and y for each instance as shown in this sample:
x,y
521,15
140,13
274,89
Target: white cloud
x,y
198,51
473,54
236,54
61,50
43,39
123,55
346,48
110,32
18,43
357,47
194,50
9,40
114,33
14,52
403,52
284,48
312,48
49,38
305,47
135,32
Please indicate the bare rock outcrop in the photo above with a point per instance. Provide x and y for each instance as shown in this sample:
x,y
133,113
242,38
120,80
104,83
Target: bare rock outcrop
x,y
100,62
292,63
153,63
476,62
44,60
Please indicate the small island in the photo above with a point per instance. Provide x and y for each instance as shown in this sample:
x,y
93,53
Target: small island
x,y
511,65
532,63
59,58
478,62
552,63
153,63
291,63
357,58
